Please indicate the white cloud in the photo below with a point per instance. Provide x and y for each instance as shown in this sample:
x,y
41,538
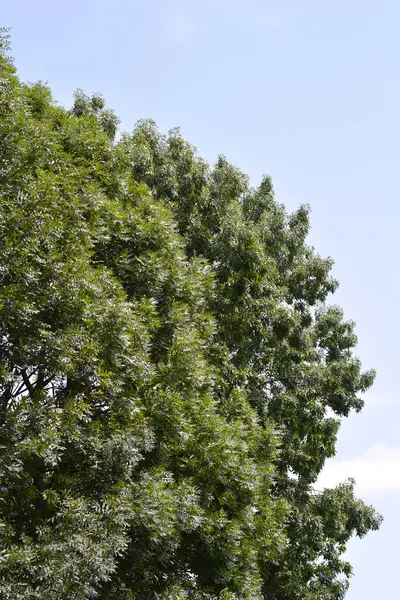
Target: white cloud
x,y
379,396
376,471
179,24
375,400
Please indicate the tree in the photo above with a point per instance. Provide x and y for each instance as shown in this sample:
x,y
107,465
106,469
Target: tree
x,y
167,369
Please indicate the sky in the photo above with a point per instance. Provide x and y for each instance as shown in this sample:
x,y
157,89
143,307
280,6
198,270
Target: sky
x,y
306,91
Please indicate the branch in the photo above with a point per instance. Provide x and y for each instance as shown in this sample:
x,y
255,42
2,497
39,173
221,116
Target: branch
x,y
6,397
48,380
28,383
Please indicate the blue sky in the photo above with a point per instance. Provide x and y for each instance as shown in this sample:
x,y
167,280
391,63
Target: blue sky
x,y
308,92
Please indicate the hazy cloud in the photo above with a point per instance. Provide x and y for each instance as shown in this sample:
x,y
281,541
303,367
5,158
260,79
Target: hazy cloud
x,y
376,471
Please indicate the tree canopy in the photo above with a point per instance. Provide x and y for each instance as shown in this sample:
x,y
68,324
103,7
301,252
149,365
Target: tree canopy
x,y
172,376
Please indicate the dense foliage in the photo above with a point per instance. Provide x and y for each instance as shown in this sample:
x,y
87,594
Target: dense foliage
x,y
168,368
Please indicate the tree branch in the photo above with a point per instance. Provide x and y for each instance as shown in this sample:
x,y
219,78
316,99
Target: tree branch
x,y
28,383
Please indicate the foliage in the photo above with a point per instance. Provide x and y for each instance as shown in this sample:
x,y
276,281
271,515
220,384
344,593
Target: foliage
x,y
168,366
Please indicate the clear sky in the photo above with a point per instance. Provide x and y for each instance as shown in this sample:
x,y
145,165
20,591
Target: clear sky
x,y
307,91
